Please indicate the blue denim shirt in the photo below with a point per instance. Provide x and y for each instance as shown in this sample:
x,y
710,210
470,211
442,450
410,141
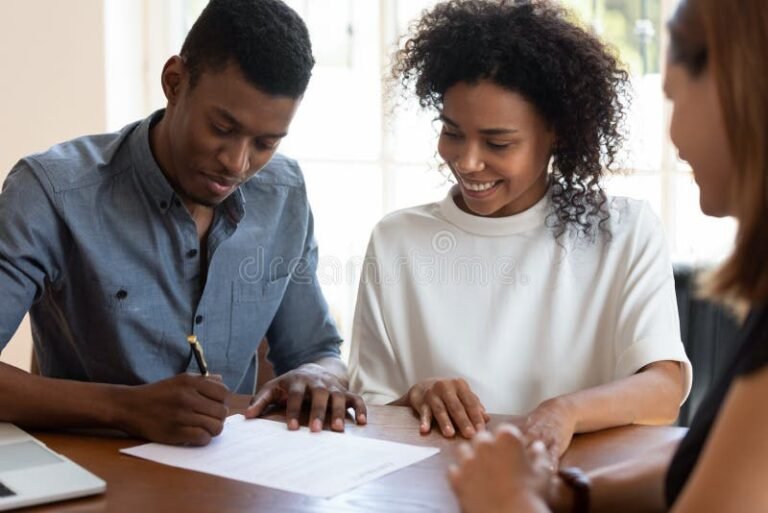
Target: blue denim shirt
x,y
96,245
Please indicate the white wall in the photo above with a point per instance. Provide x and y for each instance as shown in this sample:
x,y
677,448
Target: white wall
x,y
52,88
140,35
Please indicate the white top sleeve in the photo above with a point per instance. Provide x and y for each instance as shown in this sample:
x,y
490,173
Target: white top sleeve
x,y
647,314
375,372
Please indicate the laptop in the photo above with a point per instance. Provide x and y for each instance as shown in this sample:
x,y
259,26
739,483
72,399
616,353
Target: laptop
x,y
31,473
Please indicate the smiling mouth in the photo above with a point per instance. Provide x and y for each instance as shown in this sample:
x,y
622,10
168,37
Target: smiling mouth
x,y
479,186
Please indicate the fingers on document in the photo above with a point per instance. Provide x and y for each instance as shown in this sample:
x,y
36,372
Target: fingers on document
x,y
358,404
338,408
296,393
336,401
319,401
260,401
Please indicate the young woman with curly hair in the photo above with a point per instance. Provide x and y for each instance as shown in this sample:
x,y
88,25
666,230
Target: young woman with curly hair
x,y
718,82
527,290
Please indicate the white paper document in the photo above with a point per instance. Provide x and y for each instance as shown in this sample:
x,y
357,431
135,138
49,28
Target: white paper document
x,y
264,452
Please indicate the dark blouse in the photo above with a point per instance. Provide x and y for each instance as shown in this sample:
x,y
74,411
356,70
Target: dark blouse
x,y
751,356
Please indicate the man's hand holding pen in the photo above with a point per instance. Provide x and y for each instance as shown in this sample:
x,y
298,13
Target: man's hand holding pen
x,y
185,409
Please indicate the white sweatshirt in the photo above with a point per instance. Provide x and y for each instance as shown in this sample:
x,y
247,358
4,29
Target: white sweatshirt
x,y
499,302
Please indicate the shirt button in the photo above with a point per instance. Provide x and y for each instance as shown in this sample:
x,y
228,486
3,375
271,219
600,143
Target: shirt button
x,y
192,253
121,294
163,205
176,203
199,319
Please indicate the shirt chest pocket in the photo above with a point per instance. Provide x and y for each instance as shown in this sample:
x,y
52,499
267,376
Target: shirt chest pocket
x,y
127,324
142,306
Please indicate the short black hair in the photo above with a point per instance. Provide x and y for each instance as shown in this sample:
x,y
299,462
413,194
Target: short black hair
x,y
267,40
533,48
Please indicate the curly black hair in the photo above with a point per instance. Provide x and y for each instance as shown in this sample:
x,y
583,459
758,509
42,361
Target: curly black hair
x,y
532,48
265,38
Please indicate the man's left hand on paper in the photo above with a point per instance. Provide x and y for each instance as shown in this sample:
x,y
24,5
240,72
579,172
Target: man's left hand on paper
x,y
318,385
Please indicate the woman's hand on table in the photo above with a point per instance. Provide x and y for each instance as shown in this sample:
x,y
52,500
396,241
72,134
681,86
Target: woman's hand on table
x,y
450,403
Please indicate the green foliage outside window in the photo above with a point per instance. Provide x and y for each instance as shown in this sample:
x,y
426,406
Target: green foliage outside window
x,y
631,26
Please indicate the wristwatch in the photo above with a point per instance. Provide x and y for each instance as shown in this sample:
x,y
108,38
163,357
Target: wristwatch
x,y
575,479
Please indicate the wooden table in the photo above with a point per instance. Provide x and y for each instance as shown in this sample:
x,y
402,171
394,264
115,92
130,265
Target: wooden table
x,y
139,486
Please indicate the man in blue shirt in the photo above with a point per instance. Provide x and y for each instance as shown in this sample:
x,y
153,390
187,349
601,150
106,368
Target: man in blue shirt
x,y
186,223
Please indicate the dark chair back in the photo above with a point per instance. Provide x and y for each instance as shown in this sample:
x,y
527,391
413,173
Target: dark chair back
x,y
709,335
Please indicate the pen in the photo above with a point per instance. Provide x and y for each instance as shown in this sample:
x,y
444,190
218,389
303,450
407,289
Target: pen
x,y
197,350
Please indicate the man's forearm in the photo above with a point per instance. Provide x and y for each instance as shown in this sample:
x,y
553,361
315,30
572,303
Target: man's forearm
x,y
39,402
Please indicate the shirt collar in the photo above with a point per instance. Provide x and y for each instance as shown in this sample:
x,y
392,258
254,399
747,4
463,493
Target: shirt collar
x,y
235,205
529,219
154,181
